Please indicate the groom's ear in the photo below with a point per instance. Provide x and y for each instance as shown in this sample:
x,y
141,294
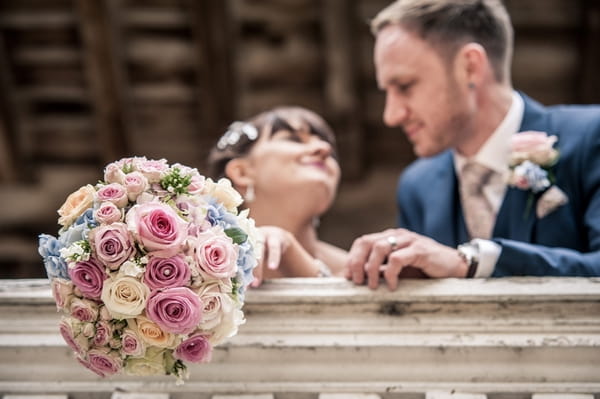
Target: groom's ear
x,y
472,64
238,170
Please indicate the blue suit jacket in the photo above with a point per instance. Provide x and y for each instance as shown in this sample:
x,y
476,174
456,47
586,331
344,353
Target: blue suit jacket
x,y
565,242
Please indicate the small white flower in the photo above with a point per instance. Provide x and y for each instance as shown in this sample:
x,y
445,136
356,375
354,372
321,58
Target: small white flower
x,y
130,268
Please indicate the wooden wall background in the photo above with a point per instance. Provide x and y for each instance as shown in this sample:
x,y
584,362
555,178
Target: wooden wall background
x,y
84,82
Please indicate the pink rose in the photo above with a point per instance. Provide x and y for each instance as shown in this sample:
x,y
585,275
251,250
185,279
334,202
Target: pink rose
x,y
166,272
84,310
196,185
533,146
105,313
175,310
195,349
70,330
108,213
216,255
62,291
103,333
157,227
131,344
115,193
88,276
88,366
154,170
135,183
104,361
112,244
216,302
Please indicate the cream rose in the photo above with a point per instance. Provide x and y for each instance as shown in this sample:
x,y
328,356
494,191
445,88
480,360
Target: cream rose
x,y
152,334
153,363
224,192
124,297
228,327
76,204
533,146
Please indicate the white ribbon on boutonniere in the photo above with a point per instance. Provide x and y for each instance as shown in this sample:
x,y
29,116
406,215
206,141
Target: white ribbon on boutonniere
x,y
531,160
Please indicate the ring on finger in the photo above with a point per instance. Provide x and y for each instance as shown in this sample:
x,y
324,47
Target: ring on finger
x,y
393,243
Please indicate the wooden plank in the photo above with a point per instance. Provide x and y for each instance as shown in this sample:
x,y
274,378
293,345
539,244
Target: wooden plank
x,y
8,171
589,81
35,20
102,70
16,143
210,24
341,96
159,17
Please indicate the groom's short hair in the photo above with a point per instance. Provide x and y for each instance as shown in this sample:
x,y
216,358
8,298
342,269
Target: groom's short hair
x,y
449,24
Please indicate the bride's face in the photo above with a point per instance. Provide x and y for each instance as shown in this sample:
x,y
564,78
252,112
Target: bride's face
x,y
291,161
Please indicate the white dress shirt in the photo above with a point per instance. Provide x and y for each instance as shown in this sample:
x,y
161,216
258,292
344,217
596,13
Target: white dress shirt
x,y
494,154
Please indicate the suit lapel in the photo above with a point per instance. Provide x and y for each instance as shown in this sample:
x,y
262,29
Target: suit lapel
x,y
516,218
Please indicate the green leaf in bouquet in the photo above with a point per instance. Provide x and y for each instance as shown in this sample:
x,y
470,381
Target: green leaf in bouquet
x,y
236,234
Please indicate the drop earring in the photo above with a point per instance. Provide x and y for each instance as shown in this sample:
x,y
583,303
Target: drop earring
x,y
471,85
249,196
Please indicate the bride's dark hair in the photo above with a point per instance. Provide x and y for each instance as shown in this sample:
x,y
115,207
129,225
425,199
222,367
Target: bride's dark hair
x,y
240,137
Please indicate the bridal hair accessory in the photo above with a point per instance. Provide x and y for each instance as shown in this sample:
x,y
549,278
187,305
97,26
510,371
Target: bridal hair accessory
x,y
234,133
150,268
531,160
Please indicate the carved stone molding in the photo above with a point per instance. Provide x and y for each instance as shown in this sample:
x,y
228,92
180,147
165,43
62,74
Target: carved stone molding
x,y
511,336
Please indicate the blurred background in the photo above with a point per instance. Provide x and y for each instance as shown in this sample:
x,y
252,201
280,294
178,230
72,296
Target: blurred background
x,y
85,82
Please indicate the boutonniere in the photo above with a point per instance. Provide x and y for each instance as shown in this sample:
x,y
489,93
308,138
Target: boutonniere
x,y
531,160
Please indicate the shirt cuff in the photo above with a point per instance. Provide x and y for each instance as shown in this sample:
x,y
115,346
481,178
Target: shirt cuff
x,y
489,252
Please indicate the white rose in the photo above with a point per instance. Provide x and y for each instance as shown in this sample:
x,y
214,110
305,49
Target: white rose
x,y
228,327
124,297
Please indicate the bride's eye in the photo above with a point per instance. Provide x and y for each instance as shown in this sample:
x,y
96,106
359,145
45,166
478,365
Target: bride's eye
x,y
287,135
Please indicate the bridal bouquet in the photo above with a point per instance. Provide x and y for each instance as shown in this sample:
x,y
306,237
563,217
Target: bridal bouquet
x,y
150,268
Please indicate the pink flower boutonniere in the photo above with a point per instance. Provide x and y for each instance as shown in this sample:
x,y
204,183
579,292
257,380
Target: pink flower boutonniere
x,y
531,159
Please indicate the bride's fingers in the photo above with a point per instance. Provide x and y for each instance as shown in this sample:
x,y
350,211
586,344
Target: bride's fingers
x,y
258,275
273,245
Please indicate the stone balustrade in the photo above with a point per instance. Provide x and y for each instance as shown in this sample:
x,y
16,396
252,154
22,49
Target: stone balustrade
x,y
511,338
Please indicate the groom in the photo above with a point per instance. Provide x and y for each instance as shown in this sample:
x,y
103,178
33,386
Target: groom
x,y
482,200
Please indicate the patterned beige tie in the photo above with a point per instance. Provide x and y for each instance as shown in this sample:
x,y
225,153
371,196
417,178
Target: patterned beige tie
x,y
478,212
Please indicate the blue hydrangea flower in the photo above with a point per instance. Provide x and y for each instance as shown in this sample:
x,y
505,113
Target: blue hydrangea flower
x,y
217,215
535,176
49,248
79,229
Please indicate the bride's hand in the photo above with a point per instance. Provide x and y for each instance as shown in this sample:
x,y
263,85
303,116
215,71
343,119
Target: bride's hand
x,y
275,241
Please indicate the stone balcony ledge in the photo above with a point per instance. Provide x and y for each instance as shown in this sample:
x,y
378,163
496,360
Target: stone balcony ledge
x,y
509,337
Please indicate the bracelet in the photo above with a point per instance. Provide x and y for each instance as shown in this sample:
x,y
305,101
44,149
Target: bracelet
x,y
469,252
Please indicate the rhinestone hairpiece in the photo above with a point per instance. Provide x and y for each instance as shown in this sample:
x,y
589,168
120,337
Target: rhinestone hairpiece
x,y
234,132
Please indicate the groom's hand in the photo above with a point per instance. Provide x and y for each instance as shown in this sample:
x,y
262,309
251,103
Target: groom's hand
x,y
390,251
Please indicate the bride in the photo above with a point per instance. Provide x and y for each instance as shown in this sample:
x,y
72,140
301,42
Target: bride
x,y
284,163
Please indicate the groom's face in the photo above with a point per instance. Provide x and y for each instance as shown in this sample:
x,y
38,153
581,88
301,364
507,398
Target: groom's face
x,y
422,96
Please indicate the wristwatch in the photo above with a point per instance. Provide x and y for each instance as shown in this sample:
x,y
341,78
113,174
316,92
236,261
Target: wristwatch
x,y
469,251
